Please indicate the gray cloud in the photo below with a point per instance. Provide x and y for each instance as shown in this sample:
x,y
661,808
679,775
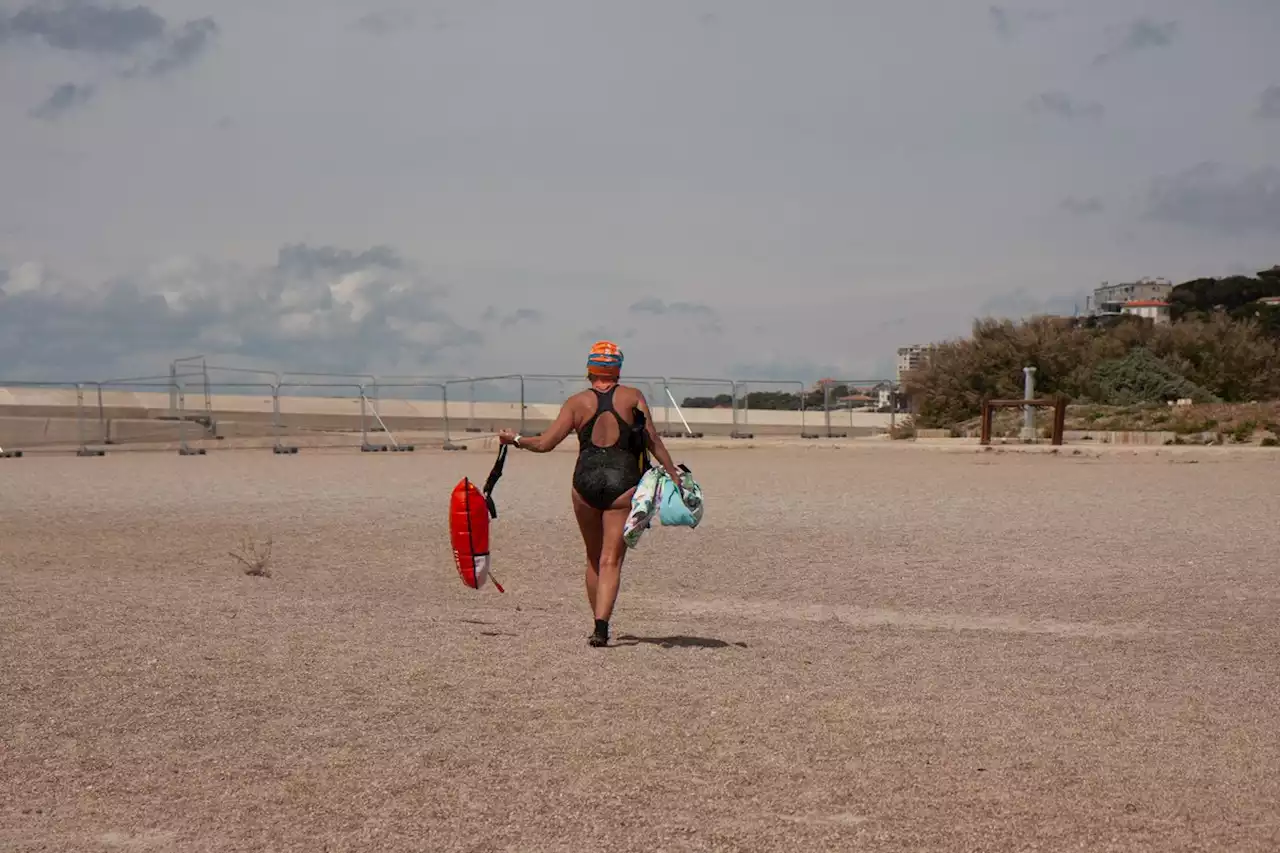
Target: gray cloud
x,y
1214,197
787,370
1143,34
514,318
654,305
308,261
107,33
600,333
522,315
706,316
386,21
1269,103
316,308
84,27
190,41
1061,104
64,98
1082,206
1024,302
1008,22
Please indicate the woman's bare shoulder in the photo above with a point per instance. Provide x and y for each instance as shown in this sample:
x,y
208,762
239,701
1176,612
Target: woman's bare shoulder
x,y
631,394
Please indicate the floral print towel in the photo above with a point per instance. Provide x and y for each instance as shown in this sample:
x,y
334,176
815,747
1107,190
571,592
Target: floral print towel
x,y
644,505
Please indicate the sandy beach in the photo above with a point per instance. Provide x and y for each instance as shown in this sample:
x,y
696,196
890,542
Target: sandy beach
x,y
864,647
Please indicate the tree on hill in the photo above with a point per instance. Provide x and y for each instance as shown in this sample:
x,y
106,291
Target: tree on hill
x,y
1231,294
762,401
1225,357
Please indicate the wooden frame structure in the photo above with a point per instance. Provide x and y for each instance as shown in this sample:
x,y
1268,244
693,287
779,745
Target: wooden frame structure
x,y
1058,404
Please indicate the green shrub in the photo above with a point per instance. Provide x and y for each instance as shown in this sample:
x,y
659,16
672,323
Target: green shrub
x,y
1206,358
1244,431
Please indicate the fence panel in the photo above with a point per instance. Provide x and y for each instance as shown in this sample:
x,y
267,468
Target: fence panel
x,y
487,404
195,374
857,405
328,415
781,406
51,416
552,389
152,413
414,406
299,381
246,411
705,405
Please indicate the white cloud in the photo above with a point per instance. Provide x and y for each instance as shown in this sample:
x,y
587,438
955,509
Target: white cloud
x,y
315,308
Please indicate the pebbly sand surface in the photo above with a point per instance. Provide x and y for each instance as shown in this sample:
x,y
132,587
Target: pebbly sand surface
x,y
858,650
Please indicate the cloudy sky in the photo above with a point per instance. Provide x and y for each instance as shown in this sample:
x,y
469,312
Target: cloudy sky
x,y
722,186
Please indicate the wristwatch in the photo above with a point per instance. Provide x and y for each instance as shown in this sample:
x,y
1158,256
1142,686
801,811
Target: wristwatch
x,y
516,440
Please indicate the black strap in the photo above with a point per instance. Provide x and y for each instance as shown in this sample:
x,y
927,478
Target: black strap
x,y
494,476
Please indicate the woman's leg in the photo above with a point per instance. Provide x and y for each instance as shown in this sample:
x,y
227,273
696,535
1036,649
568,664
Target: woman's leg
x,y
589,522
612,552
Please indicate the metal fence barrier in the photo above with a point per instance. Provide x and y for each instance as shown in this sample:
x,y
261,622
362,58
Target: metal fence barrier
x,y
320,390
471,383
731,402
176,392
742,394
103,418
384,387
25,445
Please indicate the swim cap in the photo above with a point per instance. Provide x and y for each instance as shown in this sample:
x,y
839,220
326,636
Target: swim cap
x,y
605,359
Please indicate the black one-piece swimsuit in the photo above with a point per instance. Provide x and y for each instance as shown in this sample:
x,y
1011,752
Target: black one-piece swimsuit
x,y
603,474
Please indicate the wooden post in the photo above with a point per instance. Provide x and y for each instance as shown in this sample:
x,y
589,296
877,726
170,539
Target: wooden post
x,y
986,422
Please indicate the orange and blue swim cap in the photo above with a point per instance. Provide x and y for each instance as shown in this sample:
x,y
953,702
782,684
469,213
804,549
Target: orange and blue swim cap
x,y
605,359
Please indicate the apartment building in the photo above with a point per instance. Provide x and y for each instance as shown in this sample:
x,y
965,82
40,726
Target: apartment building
x,y
1112,298
911,357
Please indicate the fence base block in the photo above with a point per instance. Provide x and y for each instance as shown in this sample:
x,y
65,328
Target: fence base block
x,y
672,433
11,454
282,450
449,445
736,434
191,451
809,435
89,451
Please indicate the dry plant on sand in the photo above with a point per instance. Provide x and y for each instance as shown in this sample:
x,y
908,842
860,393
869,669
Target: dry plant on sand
x,y
255,559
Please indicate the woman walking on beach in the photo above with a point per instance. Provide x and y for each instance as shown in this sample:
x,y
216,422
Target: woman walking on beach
x,y
611,460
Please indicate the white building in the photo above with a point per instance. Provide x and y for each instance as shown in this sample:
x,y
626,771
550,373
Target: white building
x,y
909,358
1155,310
1111,298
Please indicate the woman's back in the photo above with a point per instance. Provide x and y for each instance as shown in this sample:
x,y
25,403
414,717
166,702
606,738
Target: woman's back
x,y
597,415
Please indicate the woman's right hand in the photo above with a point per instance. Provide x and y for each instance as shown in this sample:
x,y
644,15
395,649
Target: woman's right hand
x,y
674,475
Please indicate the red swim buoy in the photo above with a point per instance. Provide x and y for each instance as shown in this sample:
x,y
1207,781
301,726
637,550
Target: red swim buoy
x,y
469,512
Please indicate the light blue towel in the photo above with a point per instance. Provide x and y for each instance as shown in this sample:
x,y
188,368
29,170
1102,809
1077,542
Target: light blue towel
x,y
675,512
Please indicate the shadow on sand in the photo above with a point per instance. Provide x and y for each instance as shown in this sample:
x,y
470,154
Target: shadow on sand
x,y
676,642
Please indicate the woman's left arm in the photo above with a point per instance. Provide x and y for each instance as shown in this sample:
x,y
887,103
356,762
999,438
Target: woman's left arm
x,y
554,434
